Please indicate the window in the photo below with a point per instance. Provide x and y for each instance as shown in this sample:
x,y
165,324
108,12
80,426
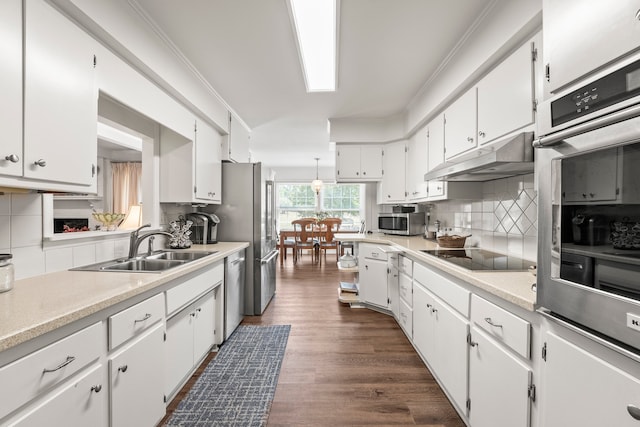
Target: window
x,y
336,200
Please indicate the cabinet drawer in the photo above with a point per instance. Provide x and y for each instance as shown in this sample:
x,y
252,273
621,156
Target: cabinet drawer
x,y
186,292
43,369
505,327
371,251
405,319
134,320
445,289
406,265
78,403
406,289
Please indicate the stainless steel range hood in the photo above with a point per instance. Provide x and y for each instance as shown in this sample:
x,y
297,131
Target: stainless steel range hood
x,y
511,157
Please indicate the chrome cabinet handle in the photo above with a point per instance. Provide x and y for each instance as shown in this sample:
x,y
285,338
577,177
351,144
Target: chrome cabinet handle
x,y
12,158
434,310
634,411
429,306
482,134
41,162
489,321
96,388
68,360
123,368
469,139
470,341
146,316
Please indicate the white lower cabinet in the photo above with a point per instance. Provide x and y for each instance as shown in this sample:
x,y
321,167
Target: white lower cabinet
x,y
393,283
372,262
440,334
190,335
80,403
498,384
582,389
137,380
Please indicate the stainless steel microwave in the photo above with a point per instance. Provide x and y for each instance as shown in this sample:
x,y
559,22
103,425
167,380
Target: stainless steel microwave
x,y
405,224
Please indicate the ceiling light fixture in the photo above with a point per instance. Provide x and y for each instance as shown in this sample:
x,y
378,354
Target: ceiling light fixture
x,y
316,184
315,25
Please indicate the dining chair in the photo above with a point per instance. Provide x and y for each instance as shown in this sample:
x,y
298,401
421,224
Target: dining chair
x,y
305,237
288,243
328,227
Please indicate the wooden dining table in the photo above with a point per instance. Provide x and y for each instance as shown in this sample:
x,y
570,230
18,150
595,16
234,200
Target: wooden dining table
x,y
290,233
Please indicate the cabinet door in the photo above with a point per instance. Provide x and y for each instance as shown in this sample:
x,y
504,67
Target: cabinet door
x,y
203,332
373,282
137,381
11,87
393,284
393,178
581,184
417,165
460,125
451,355
436,188
435,142
423,322
505,96
348,162
579,389
371,161
78,404
179,349
60,99
208,164
498,384
571,57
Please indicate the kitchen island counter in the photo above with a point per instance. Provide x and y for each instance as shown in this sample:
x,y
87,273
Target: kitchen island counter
x,y
44,303
512,286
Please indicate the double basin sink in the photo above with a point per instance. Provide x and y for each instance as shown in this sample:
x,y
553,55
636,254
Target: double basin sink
x,y
156,262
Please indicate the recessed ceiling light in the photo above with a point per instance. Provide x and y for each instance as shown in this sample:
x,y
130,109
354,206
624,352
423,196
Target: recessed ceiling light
x,y
315,25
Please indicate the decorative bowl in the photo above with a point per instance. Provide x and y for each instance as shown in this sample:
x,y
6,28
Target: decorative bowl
x,y
109,220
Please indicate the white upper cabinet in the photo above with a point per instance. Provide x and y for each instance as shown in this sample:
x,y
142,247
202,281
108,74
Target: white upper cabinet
x,y
60,99
358,162
435,144
581,36
11,87
417,164
208,164
393,185
460,125
190,170
236,143
506,96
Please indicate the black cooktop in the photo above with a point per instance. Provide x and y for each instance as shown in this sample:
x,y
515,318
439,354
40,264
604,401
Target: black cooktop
x,y
480,259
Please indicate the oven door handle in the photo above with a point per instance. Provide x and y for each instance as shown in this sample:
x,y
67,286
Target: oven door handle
x,y
573,265
609,119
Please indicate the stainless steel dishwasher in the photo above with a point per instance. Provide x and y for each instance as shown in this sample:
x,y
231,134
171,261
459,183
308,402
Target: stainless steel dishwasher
x,y
234,272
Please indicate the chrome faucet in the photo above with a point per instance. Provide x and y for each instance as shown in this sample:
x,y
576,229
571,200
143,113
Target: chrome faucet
x,y
135,239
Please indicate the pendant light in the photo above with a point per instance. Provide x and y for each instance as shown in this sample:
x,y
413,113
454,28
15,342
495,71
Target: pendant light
x,y
316,184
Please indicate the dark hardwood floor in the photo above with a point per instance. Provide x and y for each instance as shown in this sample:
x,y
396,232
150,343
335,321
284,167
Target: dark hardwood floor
x,y
344,366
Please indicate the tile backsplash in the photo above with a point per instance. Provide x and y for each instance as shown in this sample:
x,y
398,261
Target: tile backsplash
x,y
503,219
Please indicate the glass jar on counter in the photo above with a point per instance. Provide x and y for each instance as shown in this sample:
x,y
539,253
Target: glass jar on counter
x,y
6,272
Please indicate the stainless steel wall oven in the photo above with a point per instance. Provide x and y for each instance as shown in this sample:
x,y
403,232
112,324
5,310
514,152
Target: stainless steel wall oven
x,y
588,171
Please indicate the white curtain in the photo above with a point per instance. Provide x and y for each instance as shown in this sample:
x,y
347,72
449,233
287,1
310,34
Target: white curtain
x,y
127,179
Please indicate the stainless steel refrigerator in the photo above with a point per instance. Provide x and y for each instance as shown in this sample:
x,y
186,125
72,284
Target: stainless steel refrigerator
x,y
247,214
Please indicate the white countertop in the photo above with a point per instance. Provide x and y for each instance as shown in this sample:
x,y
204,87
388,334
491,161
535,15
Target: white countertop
x,y
512,286
40,304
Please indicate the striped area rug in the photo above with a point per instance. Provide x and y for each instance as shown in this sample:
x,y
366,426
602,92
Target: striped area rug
x,y
237,387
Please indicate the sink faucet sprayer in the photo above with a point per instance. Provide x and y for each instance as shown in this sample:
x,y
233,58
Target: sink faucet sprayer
x,y
135,239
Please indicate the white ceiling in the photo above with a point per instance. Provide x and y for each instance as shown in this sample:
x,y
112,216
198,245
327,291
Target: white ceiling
x,y
245,49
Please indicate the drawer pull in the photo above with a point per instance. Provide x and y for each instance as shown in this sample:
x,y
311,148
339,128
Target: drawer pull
x,y
489,321
434,310
146,316
68,360
96,388
634,411
123,368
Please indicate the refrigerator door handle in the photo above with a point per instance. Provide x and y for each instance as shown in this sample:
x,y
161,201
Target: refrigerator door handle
x,y
269,257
